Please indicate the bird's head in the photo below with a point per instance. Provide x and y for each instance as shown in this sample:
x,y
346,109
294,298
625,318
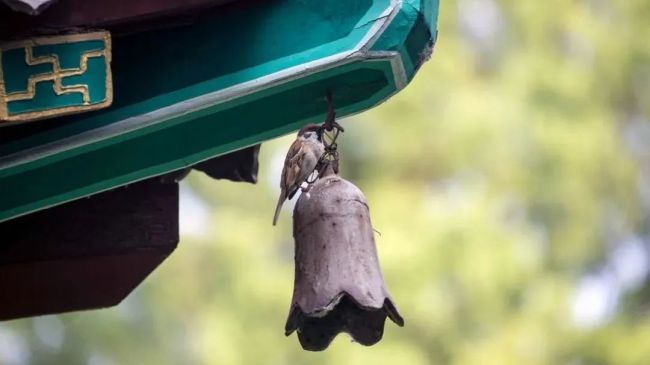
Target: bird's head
x,y
311,131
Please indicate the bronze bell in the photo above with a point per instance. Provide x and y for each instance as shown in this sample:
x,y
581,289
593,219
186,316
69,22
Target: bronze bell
x,y
338,283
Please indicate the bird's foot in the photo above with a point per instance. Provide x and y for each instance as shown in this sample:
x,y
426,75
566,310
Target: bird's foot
x,y
337,126
305,189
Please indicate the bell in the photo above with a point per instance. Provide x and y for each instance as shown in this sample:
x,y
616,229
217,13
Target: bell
x,y
338,283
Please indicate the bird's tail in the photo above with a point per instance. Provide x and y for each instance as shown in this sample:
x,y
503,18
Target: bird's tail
x,y
278,207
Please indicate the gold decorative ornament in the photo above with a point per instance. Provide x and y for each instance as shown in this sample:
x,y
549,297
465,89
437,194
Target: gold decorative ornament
x,y
56,76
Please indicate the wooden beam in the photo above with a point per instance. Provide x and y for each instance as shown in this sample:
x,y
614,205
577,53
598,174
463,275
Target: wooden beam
x,y
89,253
240,165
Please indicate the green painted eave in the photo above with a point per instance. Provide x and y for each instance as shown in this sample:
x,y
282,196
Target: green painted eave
x,y
235,79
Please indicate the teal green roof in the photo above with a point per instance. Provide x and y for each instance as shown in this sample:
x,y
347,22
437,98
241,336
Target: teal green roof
x,y
186,94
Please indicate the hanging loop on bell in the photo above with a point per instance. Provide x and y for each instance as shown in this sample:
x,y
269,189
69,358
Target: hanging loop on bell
x,y
331,155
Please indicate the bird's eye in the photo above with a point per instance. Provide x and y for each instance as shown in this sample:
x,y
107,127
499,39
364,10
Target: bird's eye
x,y
308,134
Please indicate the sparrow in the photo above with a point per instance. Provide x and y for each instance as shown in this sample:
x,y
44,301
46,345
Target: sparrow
x,y
301,160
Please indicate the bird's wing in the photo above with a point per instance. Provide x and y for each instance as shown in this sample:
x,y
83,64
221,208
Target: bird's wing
x,y
291,169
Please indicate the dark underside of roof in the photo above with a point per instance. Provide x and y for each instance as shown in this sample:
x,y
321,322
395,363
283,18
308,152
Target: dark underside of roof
x,y
119,16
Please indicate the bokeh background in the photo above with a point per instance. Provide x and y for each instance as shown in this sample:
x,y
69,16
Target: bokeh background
x,y
511,186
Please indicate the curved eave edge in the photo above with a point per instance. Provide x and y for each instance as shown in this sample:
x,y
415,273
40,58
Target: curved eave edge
x,y
403,65
200,105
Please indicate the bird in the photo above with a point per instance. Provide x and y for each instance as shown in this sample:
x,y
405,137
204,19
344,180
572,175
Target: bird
x,y
301,160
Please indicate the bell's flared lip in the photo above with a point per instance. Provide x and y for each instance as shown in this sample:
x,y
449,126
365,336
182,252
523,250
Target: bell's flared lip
x,y
317,328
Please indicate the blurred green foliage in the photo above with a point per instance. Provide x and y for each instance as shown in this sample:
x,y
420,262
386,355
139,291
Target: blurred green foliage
x,y
503,180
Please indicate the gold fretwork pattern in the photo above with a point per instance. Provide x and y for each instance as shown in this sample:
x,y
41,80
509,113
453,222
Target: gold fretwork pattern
x,y
56,76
